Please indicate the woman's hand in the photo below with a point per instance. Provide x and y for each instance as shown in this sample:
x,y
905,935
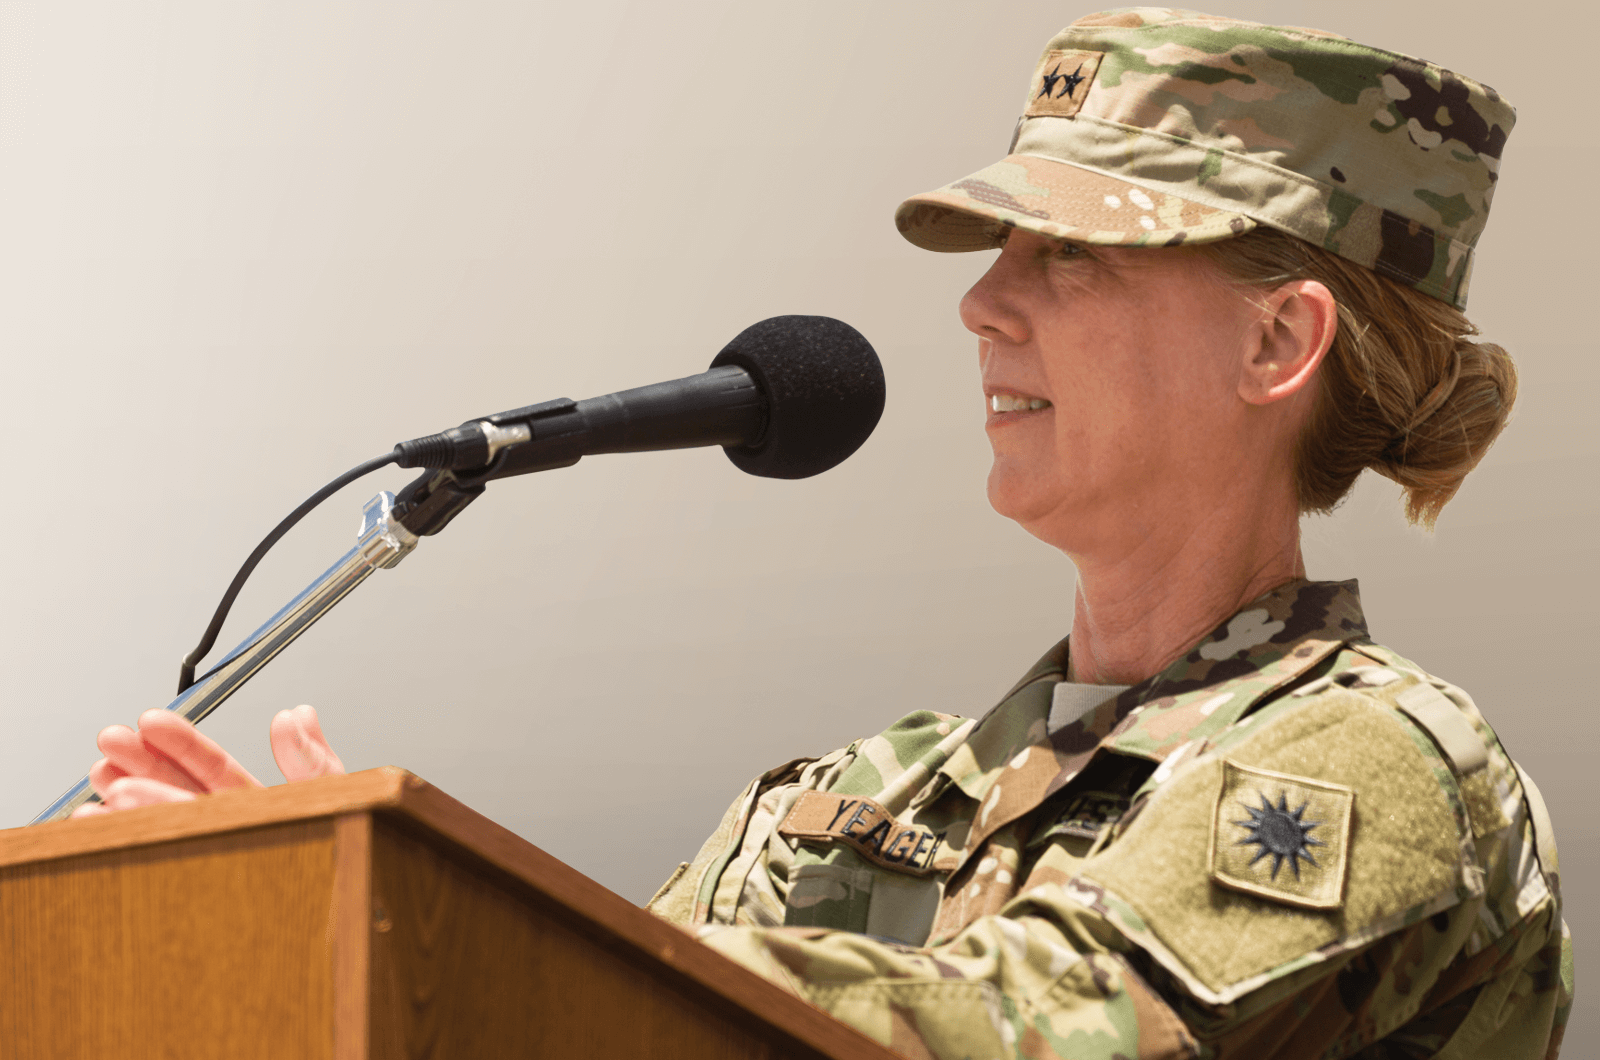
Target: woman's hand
x,y
167,759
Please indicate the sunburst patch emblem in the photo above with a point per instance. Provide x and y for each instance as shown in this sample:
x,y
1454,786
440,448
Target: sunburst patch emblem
x,y
1290,845
1280,833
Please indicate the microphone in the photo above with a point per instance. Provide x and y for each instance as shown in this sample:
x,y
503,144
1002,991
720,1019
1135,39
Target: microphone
x,y
789,397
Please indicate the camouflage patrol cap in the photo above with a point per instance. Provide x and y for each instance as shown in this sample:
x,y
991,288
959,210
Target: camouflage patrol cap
x,y
1156,127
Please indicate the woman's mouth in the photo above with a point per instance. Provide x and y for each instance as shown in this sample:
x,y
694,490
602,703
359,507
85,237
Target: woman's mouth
x,y
1016,403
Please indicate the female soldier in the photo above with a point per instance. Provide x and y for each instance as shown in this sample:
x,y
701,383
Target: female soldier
x,y
1223,821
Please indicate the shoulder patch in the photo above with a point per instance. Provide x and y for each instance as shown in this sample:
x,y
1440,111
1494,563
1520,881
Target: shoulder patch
x,y
1281,837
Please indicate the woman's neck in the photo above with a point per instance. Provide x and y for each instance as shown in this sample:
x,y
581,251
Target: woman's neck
x,y
1137,613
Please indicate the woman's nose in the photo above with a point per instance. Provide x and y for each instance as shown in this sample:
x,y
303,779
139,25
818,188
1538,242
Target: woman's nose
x,y
992,308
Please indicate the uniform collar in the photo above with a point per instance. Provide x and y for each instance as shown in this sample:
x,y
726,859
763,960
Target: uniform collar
x,y
1011,762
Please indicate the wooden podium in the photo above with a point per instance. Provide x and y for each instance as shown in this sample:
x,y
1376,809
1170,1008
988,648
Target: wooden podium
x,y
368,915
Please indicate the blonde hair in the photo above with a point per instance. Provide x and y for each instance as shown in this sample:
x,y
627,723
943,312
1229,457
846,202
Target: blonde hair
x,y
1403,389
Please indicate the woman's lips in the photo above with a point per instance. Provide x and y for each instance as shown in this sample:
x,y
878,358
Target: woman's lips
x,y
999,403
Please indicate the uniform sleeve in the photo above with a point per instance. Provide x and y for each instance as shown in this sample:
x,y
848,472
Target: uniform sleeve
x,y
674,901
1044,979
1442,936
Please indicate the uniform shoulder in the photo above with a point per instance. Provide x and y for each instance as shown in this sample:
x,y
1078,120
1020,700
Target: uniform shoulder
x,y
1369,798
1310,828
1473,767
1443,709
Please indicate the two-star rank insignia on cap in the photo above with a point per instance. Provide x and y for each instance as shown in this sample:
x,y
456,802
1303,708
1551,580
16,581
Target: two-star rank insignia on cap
x,y
1061,82
1068,82
1281,837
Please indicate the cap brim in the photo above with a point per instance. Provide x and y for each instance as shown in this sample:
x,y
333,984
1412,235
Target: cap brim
x,y
1062,201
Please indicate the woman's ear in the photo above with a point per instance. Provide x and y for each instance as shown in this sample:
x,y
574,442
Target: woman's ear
x,y
1288,341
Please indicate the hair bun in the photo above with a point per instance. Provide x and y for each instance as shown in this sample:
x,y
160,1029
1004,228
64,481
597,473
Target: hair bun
x,y
1452,428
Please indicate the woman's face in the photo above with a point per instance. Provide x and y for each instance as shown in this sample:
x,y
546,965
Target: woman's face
x,y
1112,379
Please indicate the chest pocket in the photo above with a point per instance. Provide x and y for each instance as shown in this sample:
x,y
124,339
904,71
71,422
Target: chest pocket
x,y
859,869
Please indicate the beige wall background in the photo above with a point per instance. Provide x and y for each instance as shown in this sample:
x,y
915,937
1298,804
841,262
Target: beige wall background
x,y
246,245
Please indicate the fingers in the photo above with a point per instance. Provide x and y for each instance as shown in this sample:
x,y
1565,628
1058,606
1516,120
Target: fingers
x,y
102,773
313,726
168,760
200,759
299,747
128,793
127,754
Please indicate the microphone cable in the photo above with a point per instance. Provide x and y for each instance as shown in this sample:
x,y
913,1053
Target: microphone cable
x,y
186,676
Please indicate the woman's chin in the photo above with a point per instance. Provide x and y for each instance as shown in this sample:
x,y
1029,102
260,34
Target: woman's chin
x,y
1019,496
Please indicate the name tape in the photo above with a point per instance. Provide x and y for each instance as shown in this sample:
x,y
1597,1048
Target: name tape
x,y
866,826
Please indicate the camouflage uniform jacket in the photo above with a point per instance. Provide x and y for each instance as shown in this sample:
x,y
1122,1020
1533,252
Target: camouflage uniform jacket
x,y
1290,843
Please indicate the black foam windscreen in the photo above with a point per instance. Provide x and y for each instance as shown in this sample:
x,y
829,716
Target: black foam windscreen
x,y
824,390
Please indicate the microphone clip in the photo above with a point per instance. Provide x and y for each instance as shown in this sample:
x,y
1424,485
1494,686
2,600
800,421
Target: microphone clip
x,y
474,444
462,460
